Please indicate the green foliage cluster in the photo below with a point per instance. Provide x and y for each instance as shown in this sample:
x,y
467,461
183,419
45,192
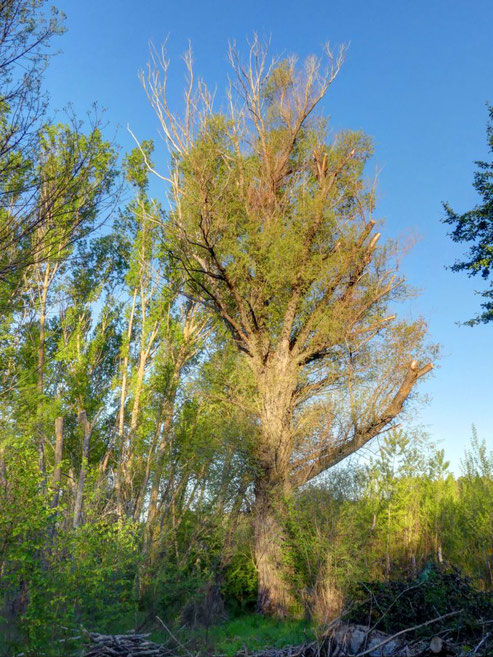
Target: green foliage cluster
x,y
357,526
394,515
54,580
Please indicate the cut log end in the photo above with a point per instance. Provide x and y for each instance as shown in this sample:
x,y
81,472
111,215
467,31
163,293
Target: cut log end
x,y
436,645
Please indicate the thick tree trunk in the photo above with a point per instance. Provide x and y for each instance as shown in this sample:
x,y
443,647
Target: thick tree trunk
x,y
271,552
272,489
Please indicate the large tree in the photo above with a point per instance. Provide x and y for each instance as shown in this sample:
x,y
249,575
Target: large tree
x,y
475,227
271,223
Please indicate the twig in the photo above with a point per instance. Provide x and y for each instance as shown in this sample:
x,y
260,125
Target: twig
x,y
411,588
177,641
69,638
481,643
372,597
409,629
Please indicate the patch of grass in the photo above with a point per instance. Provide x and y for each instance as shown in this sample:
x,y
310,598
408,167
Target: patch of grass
x,y
254,632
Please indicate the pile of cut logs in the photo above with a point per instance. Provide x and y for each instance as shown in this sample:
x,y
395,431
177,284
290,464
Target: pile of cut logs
x,y
124,645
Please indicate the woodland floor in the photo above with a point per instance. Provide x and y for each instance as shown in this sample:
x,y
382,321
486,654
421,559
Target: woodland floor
x,y
439,612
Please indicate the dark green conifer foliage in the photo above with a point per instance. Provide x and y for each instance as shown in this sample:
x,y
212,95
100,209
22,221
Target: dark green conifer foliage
x,y
475,227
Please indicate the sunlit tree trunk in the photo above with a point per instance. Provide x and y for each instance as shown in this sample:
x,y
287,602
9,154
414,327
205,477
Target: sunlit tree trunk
x,y
194,330
274,596
42,300
157,475
272,485
120,430
57,469
3,469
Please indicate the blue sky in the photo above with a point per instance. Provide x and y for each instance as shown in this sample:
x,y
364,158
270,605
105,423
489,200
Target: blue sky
x,y
416,78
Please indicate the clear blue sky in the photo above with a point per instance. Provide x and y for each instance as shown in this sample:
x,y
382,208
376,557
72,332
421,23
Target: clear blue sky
x,y
417,76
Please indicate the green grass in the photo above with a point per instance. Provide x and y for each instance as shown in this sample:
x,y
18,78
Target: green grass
x,y
253,632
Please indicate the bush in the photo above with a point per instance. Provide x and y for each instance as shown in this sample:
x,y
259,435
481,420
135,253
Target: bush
x,y
438,590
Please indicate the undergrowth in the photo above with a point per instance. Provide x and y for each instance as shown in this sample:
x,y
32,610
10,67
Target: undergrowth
x,y
248,633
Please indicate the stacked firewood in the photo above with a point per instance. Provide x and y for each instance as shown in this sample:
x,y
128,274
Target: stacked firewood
x,y
124,645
